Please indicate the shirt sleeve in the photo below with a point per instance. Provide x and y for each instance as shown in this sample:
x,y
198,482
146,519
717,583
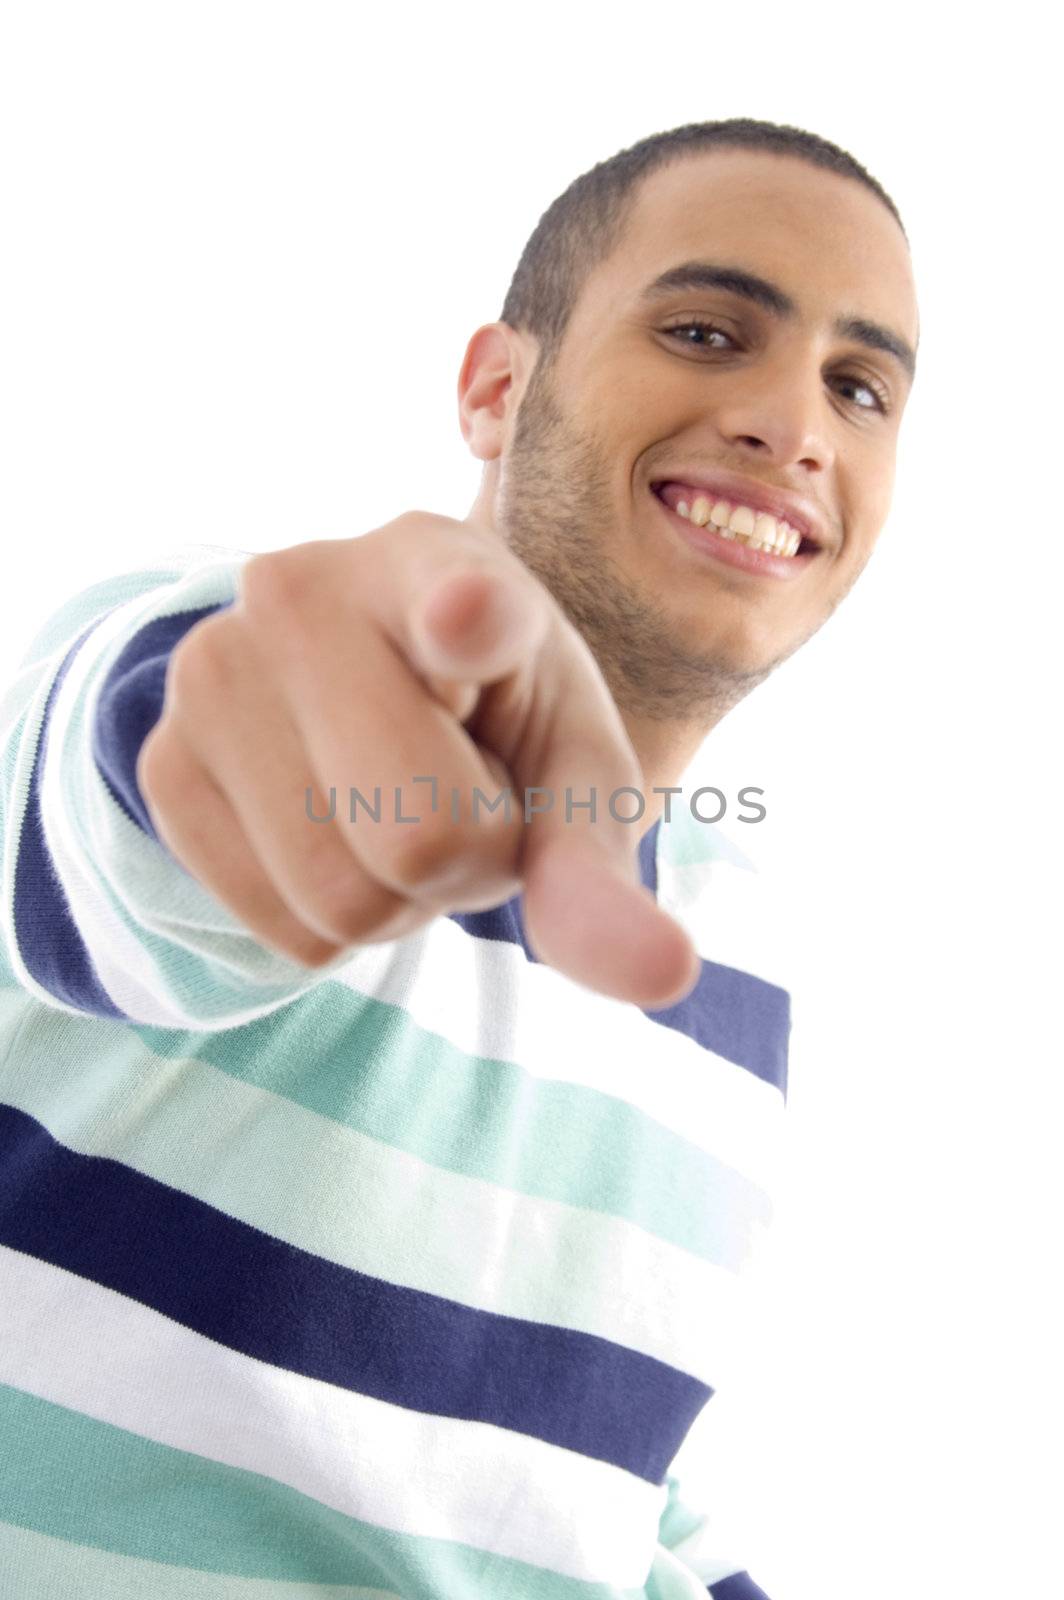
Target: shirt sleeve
x,y
98,917
691,1559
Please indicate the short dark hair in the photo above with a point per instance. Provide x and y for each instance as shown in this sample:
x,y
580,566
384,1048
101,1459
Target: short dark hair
x,y
584,224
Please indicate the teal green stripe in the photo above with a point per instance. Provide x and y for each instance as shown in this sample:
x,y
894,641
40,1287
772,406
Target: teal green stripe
x,y
38,1566
199,1130
71,618
367,1065
686,842
678,1521
75,1478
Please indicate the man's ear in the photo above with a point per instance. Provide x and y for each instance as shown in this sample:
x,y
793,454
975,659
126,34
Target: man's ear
x,y
492,379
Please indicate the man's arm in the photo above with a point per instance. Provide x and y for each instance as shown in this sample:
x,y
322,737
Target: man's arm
x,y
98,917
163,729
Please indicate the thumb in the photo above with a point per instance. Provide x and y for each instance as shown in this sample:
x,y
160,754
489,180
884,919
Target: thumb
x,y
586,916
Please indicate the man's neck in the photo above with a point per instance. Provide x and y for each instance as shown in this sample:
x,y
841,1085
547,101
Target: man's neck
x,y
665,751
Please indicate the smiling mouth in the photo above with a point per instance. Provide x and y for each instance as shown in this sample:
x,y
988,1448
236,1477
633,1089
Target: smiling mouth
x,y
734,522
738,550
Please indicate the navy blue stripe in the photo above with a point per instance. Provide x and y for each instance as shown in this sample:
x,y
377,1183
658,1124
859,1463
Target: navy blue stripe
x,y
53,950
737,1016
277,1303
648,858
130,703
734,1014
503,923
740,1586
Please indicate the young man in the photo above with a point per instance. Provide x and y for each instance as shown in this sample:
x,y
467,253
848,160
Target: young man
x,y
374,1192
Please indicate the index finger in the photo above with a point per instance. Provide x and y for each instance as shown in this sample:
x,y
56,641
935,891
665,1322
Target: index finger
x,y
555,725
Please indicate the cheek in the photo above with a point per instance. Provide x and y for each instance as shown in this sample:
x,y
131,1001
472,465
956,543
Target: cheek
x,y
866,500
644,398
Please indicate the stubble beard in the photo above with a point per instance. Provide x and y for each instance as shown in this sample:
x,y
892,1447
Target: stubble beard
x,y
552,491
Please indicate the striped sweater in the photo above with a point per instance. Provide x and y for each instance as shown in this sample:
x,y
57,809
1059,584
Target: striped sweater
x,y
404,1276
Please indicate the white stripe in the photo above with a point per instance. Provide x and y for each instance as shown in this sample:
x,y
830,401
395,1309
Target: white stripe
x,y
485,997
672,1577
736,917
82,1572
701,1554
109,1357
18,691
369,1206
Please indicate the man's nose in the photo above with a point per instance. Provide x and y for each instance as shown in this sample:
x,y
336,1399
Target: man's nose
x,y
779,409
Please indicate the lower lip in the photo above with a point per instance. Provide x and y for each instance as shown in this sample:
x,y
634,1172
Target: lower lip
x,y
760,563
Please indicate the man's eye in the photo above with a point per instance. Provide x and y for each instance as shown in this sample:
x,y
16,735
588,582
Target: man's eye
x,y
878,398
702,327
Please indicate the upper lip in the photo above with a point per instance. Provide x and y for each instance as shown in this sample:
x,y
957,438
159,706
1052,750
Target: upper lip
x,y
802,514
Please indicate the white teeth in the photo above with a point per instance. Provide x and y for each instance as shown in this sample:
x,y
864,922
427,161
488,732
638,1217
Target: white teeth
x,y
741,520
758,530
766,530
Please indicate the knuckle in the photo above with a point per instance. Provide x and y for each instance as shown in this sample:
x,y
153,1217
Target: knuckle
x,y
339,904
452,539
285,593
312,953
345,923
270,582
296,944
201,663
417,520
157,763
420,854
256,903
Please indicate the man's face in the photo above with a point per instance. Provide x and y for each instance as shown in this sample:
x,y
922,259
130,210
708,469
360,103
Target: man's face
x,y
785,404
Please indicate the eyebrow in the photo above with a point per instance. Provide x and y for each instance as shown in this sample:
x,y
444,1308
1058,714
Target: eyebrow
x,y
710,275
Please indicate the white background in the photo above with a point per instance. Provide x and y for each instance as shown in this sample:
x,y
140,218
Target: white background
x,y
244,249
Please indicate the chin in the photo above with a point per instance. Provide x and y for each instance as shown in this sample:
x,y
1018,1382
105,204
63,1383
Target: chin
x,y
743,654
